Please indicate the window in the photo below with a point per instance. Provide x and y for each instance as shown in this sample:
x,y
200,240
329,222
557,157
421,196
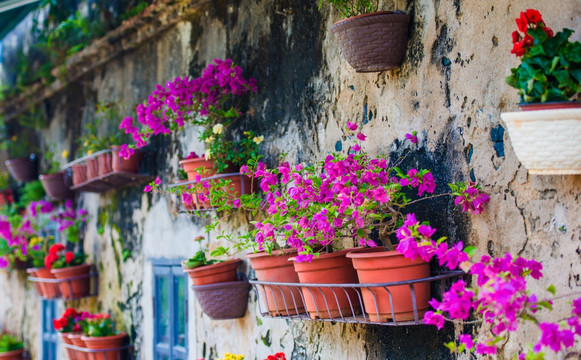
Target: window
x,y
49,335
170,310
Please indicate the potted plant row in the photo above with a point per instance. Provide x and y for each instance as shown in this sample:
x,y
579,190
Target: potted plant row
x,y
215,282
11,348
94,332
370,40
548,81
54,180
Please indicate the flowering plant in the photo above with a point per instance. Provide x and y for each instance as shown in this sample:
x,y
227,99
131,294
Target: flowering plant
x,y
230,356
349,8
277,356
69,321
200,101
58,257
551,64
9,342
107,116
349,196
98,325
70,221
225,152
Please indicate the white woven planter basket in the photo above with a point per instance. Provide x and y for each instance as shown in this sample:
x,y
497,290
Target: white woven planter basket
x,y
547,142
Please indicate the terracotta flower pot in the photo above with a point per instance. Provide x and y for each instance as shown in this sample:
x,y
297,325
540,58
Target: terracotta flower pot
x,y
79,173
277,268
12,355
92,168
104,163
107,342
22,169
390,266
72,354
373,42
212,274
190,166
55,187
77,340
127,165
46,290
72,289
546,141
332,268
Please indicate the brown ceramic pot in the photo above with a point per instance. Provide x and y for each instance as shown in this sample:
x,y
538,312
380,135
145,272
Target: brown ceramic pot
x,y
54,185
390,266
277,268
107,342
22,169
76,339
72,354
12,355
77,288
104,163
126,165
92,168
79,173
373,42
212,274
193,167
46,290
334,268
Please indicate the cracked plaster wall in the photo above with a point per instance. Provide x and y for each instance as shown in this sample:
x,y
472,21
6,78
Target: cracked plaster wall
x,y
450,89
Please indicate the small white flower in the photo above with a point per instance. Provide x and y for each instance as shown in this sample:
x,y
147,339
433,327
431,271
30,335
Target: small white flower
x,y
218,128
258,139
209,139
208,154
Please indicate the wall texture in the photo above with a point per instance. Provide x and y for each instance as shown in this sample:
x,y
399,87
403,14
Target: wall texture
x,y
450,89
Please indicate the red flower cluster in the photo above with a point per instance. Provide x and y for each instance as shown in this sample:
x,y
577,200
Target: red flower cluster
x,y
277,356
54,254
531,19
68,321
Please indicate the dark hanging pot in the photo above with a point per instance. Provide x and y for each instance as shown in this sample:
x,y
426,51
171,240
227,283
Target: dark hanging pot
x,y
223,301
23,169
373,42
54,185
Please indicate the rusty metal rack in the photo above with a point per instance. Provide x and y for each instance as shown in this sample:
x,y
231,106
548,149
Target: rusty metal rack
x,y
93,354
111,180
289,307
198,205
93,285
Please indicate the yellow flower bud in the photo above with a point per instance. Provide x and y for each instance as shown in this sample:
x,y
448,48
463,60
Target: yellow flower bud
x,y
258,139
218,128
208,154
209,139
90,152
65,154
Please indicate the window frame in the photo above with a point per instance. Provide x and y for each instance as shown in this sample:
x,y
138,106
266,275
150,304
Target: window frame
x,y
49,338
172,270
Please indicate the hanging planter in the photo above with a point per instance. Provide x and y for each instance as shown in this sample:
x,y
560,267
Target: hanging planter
x,y
215,273
330,302
546,141
114,346
104,163
67,340
131,164
76,340
45,289
276,267
55,187
223,301
373,42
23,169
194,166
12,355
378,266
75,282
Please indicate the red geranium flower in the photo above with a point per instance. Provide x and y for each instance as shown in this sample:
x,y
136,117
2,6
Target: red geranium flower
x,y
534,16
56,248
518,49
548,31
522,23
528,40
69,256
516,37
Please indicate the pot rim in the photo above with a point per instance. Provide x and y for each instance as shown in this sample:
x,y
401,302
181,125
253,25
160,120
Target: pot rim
x,y
51,175
373,254
368,15
68,268
571,103
213,266
12,352
280,252
338,253
198,159
120,335
26,158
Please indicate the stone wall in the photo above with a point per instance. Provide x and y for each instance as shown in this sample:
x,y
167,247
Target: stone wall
x,y
450,89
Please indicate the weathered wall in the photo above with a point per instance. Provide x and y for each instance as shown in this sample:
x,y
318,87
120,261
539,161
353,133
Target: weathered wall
x,y
450,89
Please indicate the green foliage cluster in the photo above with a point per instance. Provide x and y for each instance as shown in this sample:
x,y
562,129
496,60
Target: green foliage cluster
x,y
349,8
108,117
550,70
99,326
9,343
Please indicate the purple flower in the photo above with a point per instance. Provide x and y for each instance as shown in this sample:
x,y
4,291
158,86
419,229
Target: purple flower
x,y
351,126
483,349
4,263
577,307
157,181
236,203
433,318
356,147
361,136
412,137
147,188
554,338
467,341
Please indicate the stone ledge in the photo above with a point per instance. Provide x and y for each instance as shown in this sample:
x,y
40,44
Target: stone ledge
x,y
154,20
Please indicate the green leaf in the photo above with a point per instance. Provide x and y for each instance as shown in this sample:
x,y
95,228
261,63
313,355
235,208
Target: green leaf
x,y
470,251
545,304
451,345
552,289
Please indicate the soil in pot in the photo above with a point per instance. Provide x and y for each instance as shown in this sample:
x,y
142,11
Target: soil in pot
x,y
75,288
104,163
76,339
79,173
333,302
373,42
107,342
23,169
381,266
215,273
127,165
280,300
12,355
54,185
